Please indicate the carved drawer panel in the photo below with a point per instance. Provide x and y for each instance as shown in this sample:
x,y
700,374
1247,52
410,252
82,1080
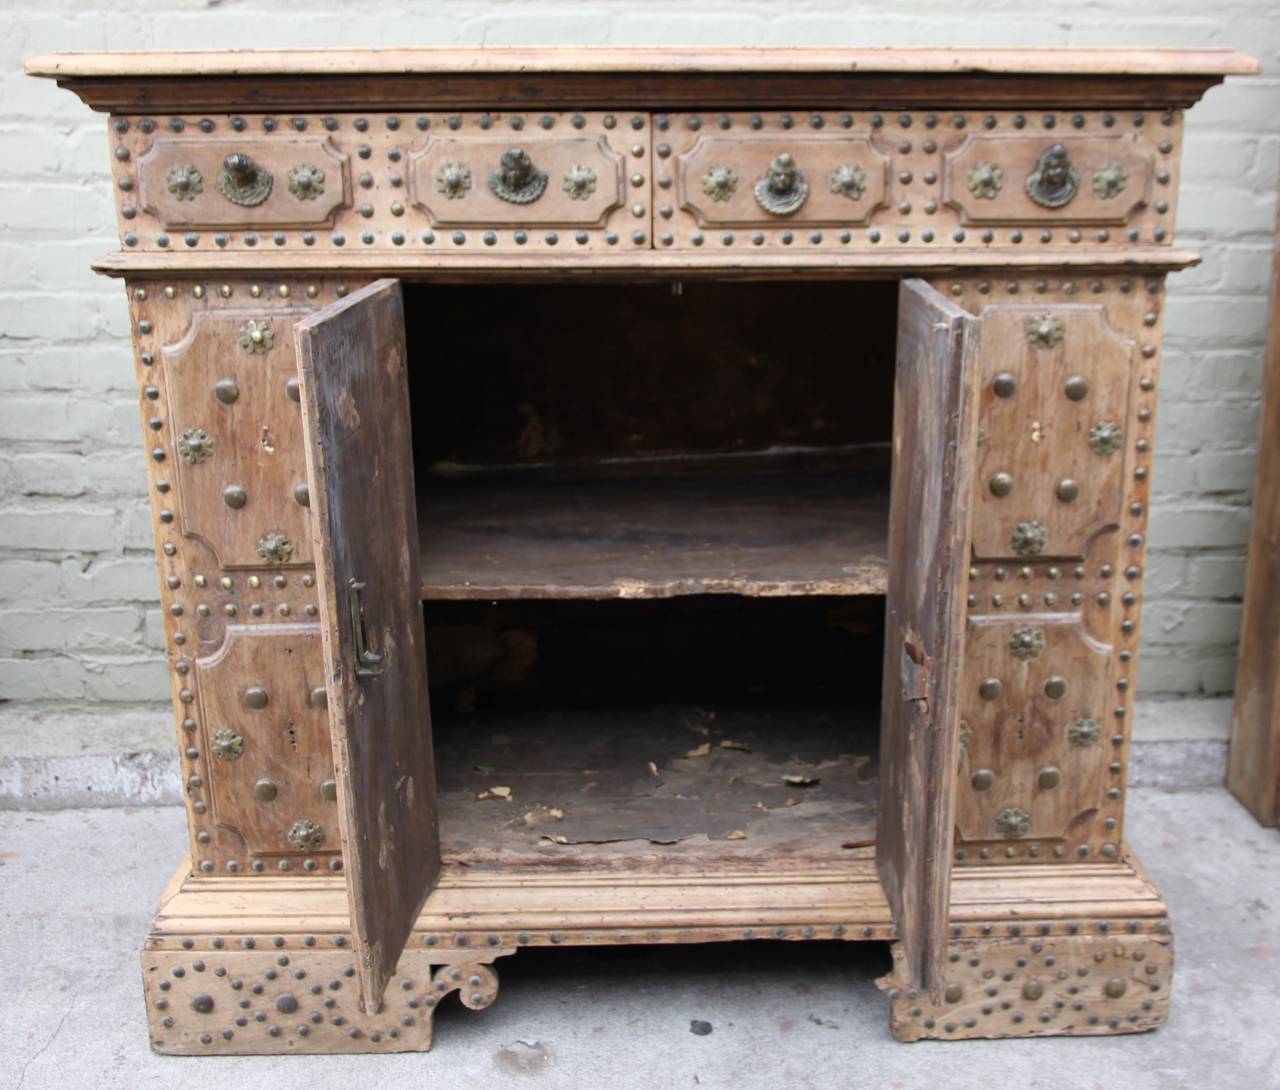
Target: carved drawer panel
x,y
265,729
1006,179
237,421
411,181
1055,391
256,181
880,181
1033,744
531,180
775,178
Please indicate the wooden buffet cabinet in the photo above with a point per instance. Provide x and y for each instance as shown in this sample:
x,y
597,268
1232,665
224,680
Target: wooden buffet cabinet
x,y
764,438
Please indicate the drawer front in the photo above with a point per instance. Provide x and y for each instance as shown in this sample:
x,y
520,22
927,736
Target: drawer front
x,y
343,184
768,180
252,182
1030,180
514,181
864,183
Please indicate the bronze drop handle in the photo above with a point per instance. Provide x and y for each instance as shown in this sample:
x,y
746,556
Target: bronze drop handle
x,y
368,663
243,182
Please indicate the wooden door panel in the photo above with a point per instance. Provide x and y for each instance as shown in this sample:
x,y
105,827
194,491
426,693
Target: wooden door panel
x,y
239,437
262,698
352,365
1055,389
1033,757
934,436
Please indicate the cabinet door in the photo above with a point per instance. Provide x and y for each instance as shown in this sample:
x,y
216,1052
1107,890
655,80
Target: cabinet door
x,y
356,426
934,446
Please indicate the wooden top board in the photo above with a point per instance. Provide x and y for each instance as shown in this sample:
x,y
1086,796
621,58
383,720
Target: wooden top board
x,y
266,80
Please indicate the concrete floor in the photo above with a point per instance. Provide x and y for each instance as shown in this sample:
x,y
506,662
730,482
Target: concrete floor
x,y
77,888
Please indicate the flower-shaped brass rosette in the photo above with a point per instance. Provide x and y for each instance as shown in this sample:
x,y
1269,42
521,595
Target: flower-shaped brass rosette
x,y
306,182
275,548
1045,331
185,182
226,744
306,835
453,180
195,445
1012,822
1109,181
1029,538
849,180
986,180
1105,437
579,182
256,337
720,182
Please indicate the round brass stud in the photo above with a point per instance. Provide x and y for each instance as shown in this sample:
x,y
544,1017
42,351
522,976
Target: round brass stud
x,y
255,698
329,789
318,698
1049,777
265,790
1032,990
1001,484
226,391
235,496
1076,387
1115,987
302,495
1055,688
983,780
1005,385
1067,490
990,688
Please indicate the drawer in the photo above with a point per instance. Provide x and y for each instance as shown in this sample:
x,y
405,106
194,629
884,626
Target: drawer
x,y
521,180
768,179
1031,180
871,181
262,182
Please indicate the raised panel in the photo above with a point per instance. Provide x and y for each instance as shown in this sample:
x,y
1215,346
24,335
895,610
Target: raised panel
x,y
1034,741
1012,179
281,181
724,181
265,729
563,181
238,457
1055,390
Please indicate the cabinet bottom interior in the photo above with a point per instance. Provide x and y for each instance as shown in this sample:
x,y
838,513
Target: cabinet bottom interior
x,y
696,735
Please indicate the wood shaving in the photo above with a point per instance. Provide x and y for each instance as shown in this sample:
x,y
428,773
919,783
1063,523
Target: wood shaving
x,y
726,743
700,751
737,834
495,793
796,780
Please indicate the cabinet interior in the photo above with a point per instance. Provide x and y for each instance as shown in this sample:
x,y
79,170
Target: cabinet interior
x,y
653,548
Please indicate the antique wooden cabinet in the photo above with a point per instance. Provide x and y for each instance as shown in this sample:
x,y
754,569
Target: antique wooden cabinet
x,y
647,497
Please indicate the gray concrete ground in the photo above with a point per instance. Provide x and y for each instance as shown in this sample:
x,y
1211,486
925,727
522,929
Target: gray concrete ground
x,y
77,888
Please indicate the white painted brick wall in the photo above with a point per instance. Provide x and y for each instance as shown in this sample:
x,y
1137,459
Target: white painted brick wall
x,y
78,614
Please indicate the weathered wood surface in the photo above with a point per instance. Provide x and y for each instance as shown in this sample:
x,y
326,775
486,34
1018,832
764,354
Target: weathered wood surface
x,y
760,535
935,445
352,365
666,78
780,784
1253,772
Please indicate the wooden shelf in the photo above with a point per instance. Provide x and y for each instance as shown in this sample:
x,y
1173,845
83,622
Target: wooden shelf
x,y
760,535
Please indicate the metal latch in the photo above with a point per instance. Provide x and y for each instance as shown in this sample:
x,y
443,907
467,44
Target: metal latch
x,y
368,663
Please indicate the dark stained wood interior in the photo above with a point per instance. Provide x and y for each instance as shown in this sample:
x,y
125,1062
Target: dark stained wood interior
x,y
751,534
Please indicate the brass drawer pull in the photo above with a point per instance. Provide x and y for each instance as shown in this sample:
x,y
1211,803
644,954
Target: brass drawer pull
x,y
1054,182
517,180
783,189
243,182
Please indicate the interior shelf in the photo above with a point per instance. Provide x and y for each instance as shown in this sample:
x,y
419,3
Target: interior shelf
x,y
764,782
755,534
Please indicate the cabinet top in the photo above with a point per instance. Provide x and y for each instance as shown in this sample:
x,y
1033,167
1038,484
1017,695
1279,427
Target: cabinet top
x,y
672,78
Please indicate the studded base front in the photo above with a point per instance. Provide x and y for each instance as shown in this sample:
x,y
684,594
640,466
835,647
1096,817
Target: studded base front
x,y
1041,980
298,998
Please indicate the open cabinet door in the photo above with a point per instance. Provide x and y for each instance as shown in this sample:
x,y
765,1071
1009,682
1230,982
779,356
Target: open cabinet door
x,y
934,450
355,410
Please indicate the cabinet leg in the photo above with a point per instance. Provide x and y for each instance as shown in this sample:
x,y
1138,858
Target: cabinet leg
x,y
1059,979
266,999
